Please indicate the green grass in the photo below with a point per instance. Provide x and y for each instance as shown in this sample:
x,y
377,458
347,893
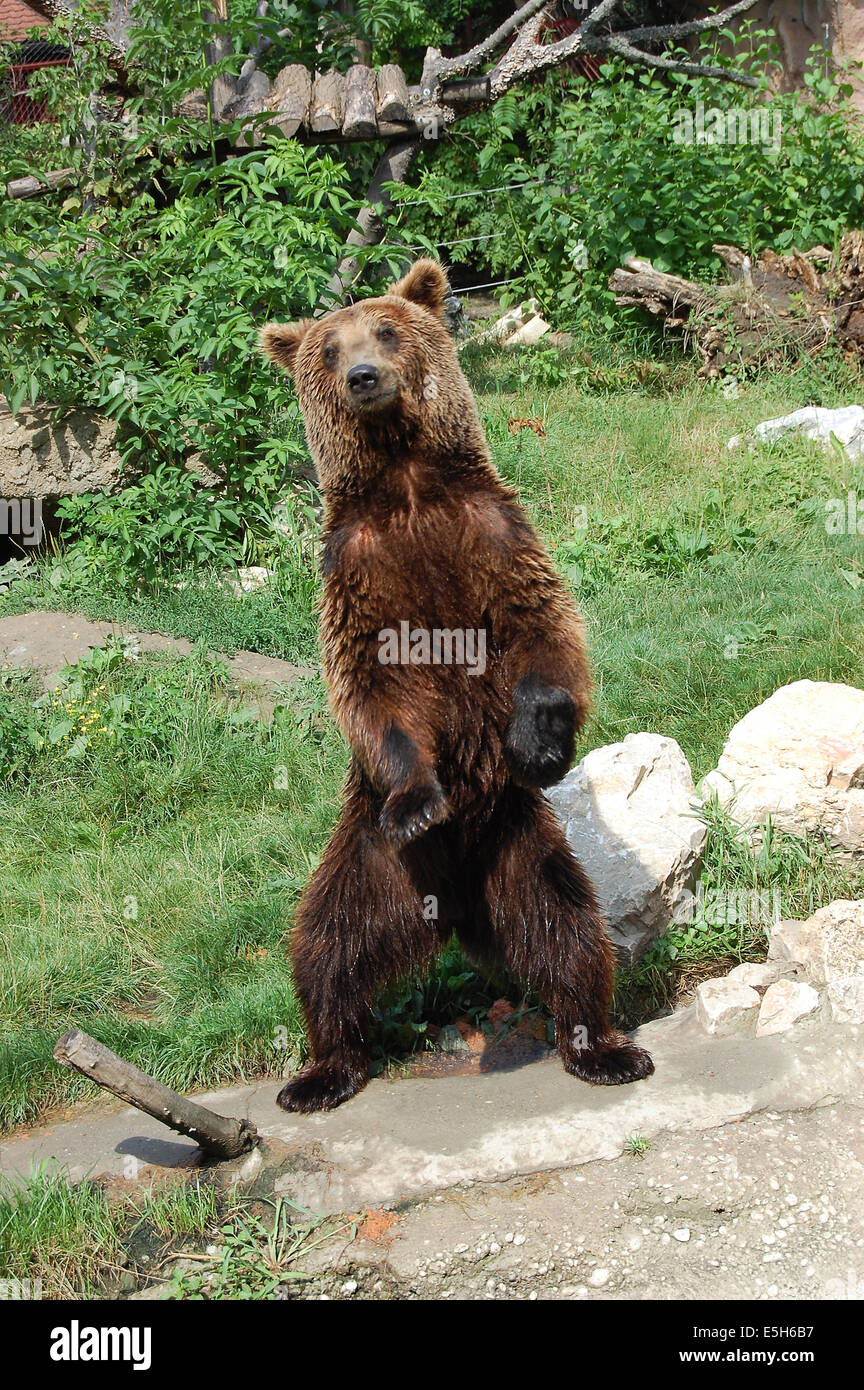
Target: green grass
x,y
148,880
60,1240
60,1235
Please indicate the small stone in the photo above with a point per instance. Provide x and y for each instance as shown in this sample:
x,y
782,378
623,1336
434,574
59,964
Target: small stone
x,y
598,1277
349,1287
758,975
519,1240
682,1234
451,1040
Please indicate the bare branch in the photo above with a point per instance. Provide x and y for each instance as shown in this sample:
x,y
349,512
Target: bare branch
x,y
528,56
115,30
617,43
667,32
468,62
605,10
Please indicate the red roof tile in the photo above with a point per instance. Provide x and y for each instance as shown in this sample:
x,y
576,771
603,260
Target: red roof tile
x,y
16,19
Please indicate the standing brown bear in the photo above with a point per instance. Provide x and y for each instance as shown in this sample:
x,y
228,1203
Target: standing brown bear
x,y
457,672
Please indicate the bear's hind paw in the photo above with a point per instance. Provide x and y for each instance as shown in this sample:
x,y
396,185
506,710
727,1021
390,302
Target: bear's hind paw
x,y
614,1065
321,1086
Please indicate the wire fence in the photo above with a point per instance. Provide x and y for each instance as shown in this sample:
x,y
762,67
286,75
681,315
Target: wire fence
x,y
21,103
400,250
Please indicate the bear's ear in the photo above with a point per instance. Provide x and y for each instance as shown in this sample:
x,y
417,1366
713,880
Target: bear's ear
x,y
281,341
425,284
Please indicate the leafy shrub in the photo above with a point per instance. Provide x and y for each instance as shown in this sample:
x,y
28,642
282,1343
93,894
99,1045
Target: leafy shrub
x,y
599,176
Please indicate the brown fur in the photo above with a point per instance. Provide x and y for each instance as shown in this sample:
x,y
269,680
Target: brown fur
x,y
443,793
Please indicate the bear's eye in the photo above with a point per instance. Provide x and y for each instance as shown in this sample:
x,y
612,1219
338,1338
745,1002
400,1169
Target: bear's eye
x,y
386,334
331,352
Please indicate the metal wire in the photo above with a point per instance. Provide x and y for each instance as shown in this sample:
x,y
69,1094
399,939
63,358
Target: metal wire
x,y
452,197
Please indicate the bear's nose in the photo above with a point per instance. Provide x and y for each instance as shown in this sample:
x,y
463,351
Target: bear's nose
x,y
362,377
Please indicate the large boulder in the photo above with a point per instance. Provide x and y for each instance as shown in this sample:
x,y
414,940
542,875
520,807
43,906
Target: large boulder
x,y
627,810
799,758
48,456
44,458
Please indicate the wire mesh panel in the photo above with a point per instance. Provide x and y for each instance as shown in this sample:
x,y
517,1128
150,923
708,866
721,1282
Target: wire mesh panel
x,y
21,102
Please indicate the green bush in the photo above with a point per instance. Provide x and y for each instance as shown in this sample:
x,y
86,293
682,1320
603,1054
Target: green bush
x,y
600,176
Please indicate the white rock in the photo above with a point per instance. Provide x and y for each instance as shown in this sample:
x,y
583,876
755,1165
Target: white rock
x,y
783,1004
846,997
627,810
248,579
598,1277
530,332
682,1234
725,1006
795,757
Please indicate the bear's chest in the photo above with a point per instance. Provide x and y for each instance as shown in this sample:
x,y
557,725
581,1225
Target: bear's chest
x,y
434,564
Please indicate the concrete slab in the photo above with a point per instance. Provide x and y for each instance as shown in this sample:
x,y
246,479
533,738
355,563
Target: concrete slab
x,y
404,1139
770,1207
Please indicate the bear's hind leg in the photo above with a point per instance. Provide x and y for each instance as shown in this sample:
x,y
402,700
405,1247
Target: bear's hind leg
x,y
360,924
539,913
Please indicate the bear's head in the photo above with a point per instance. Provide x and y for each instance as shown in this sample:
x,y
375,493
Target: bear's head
x,y
376,378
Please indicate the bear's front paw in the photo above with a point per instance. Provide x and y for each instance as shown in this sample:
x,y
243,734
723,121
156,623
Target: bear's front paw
x,y
612,1064
410,811
322,1086
538,743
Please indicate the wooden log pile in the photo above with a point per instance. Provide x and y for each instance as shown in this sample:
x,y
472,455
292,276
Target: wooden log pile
x,y
772,309
361,104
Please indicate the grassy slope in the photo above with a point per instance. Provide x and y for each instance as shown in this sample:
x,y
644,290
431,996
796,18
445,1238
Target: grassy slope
x,y
686,546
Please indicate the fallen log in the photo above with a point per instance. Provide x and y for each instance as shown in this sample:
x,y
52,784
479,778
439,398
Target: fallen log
x,y
217,1135
31,186
774,307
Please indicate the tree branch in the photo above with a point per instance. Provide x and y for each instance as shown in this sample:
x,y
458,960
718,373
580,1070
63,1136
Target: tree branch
x,y
617,43
468,62
689,27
